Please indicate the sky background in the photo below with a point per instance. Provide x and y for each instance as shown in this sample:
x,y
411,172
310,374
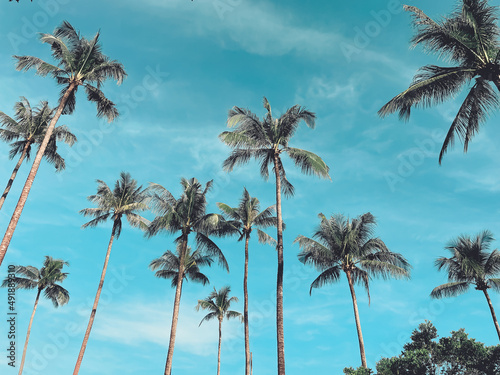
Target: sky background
x,y
188,63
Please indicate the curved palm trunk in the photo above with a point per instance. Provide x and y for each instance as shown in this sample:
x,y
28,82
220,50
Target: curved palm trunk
x,y
245,310
21,366
14,173
279,282
175,313
31,177
94,307
495,321
220,339
358,323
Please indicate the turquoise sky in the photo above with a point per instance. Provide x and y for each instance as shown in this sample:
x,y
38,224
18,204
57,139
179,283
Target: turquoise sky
x,y
188,63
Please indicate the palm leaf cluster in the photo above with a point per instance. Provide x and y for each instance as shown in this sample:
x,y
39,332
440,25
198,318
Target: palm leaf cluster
x,y
218,304
468,38
126,199
28,128
168,266
80,62
339,245
470,264
267,139
45,279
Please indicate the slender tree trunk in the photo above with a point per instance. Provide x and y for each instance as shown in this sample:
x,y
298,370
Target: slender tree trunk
x,y
279,282
175,313
220,339
245,309
31,176
358,323
14,173
495,321
94,307
21,366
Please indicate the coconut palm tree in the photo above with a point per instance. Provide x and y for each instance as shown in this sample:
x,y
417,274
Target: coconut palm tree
x,y
80,62
45,279
469,39
186,215
28,128
125,200
265,140
245,217
218,303
339,245
470,264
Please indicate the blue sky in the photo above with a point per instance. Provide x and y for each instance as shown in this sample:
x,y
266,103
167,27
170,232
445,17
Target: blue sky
x,y
188,63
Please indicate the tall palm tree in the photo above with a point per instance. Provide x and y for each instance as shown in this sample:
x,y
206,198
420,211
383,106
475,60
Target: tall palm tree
x,y
186,215
265,140
339,245
79,63
469,39
218,303
28,128
244,217
45,280
470,264
125,200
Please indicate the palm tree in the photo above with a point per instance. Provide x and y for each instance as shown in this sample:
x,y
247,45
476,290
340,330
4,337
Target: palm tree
x,y
470,264
45,280
28,128
244,218
218,303
265,141
126,199
79,63
468,38
339,245
186,215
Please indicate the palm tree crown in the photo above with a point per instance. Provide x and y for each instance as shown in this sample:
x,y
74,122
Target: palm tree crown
x,y
126,199
469,39
339,245
218,304
248,215
168,266
45,279
80,62
28,128
264,140
470,264
186,215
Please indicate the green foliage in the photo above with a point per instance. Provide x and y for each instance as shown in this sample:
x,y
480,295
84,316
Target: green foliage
x,y
359,371
454,355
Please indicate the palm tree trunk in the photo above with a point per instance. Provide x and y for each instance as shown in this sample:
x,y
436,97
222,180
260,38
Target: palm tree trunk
x,y
94,307
245,309
14,173
21,366
220,339
31,176
175,313
495,321
279,282
358,323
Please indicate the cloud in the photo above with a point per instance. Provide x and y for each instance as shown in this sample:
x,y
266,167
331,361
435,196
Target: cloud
x,y
136,323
